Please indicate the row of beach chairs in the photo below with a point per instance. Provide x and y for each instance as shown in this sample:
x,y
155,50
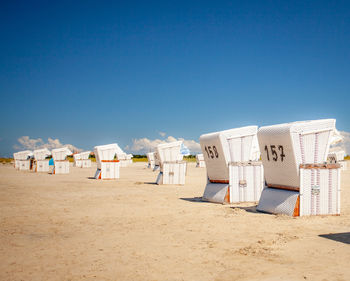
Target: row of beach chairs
x,y
287,168
38,161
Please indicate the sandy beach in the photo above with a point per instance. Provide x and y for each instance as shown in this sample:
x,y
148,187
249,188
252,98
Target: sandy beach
x,y
72,227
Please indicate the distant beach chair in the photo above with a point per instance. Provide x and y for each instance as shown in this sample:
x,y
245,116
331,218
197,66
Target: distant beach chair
x,y
337,157
336,153
233,170
299,180
22,160
151,160
172,168
124,159
41,164
81,160
129,159
156,161
107,164
61,164
200,163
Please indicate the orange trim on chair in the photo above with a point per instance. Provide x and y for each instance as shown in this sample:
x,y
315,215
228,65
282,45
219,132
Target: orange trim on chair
x,y
320,166
219,181
276,186
297,208
227,196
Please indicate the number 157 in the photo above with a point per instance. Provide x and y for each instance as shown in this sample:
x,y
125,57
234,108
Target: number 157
x,y
274,152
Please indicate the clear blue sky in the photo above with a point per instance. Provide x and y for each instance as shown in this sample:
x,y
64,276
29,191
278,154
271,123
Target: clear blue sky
x,y
94,72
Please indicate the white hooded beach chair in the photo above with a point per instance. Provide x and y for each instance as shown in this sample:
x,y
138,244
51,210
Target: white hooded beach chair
x,y
107,164
200,161
81,160
122,157
299,180
23,160
41,164
61,164
151,160
156,161
172,168
234,174
129,158
337,154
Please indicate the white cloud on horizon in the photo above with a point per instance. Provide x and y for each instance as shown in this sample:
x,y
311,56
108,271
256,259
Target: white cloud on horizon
x,y
26,142
144,145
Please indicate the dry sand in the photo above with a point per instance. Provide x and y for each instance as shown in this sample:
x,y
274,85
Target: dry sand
x,y
70,227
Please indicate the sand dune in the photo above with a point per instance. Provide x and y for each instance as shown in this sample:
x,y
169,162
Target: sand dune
x,y
71,227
